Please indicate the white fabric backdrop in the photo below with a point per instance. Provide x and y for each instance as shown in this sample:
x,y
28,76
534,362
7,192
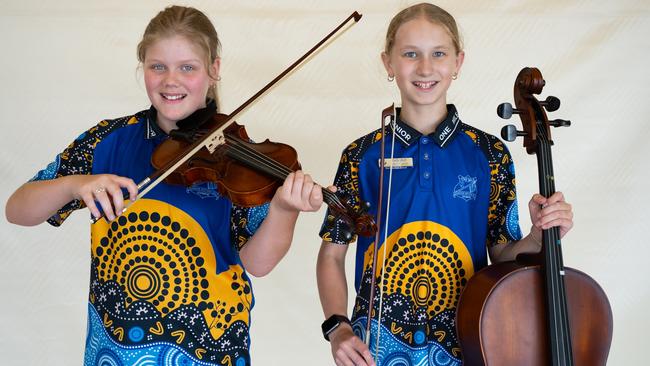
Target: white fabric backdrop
x,y
67,64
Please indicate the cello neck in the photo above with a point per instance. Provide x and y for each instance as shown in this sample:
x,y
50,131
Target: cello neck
x,y
558,322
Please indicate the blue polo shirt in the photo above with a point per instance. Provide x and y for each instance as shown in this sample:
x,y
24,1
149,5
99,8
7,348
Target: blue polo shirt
x,y
446,197
167,285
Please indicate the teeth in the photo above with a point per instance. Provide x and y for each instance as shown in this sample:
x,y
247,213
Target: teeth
x,y
173,97
424,85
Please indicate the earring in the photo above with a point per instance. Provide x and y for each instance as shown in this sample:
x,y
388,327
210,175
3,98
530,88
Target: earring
x,y
218,77
390,78
454,76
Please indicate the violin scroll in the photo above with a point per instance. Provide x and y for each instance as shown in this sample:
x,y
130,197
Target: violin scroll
x,y
355,218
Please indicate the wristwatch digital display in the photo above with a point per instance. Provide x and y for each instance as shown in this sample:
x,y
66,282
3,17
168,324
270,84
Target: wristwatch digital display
x,y
332,323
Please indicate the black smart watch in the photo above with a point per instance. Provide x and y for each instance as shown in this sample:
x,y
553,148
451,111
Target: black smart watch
x,y
332,323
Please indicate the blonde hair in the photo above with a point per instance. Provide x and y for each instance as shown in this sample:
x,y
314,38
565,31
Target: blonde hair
x,y
430,12
191,24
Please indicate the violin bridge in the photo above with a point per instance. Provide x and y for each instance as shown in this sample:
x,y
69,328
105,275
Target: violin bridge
x,y
215,140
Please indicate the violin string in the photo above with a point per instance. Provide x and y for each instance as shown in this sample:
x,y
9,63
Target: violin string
x,y
248,154
239,150
279,170
260,160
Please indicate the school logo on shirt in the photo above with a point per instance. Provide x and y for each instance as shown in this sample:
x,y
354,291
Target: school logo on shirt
x,y
466,188
204,190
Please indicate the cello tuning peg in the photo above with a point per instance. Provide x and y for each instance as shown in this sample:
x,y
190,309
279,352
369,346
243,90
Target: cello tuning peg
x,y
551,103
505,110
510,133
559,123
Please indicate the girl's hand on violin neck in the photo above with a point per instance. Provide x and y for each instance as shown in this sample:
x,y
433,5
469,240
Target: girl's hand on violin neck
x,y
105,189
546,213
298,193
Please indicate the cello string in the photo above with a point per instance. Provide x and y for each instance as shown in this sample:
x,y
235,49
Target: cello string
x,y
551,270
561,323
548,252
561,294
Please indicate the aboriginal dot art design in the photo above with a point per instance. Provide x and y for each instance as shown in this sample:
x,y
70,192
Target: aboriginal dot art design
x,y
154,288
167,285
424,271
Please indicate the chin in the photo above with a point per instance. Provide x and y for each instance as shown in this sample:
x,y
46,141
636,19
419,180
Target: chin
x,y
173,113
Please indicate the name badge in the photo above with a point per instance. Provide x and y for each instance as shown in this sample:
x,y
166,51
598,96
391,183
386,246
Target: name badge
x,y
396,163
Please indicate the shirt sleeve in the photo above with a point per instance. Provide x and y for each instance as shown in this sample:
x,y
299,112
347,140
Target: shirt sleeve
x,y
334,229
244,222
503,217
77,158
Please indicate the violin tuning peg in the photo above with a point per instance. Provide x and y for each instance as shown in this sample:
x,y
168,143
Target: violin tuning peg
x,y
505,110
559,123
510,133
551,103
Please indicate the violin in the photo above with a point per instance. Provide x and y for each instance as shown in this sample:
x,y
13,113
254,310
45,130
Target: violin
x,y
218,150
534,310
247,173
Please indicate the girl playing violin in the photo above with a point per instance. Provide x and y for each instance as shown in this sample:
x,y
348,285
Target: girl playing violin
x,y
452,195
169,276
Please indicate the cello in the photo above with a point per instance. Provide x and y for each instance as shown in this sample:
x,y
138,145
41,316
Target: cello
x,y
534,311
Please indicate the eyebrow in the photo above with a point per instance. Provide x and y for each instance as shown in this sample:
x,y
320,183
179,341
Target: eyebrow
x,y
416,47
192,60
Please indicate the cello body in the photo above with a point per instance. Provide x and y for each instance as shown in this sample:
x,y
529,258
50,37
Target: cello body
x,y
534,310
503,320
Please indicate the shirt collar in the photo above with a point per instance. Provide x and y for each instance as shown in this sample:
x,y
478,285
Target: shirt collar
x,y
153,130
443,134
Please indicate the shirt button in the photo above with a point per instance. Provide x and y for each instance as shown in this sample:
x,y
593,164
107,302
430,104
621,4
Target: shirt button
x,y
426,156
426,175
425,140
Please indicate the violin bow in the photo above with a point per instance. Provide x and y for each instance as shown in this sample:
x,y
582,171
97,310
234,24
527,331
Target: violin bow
x,y
389,113
216,137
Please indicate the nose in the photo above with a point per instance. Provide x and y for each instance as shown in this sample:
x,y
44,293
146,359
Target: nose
x,y
171,79
425,66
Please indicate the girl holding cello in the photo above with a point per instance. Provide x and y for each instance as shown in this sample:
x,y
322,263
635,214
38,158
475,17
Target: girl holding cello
x,y
169,276
456,203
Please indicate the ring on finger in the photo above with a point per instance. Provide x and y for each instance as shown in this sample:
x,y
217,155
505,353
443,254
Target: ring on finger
x,y
100,189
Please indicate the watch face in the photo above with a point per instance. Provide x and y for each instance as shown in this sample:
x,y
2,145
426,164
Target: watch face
x,y
332,323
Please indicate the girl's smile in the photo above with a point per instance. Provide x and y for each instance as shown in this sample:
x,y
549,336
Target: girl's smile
x,y
177,79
